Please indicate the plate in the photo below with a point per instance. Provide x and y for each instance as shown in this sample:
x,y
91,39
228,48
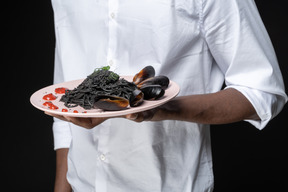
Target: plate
x,y
37,101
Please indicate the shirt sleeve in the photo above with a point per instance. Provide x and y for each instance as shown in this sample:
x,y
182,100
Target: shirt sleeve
x,y
62,134
241,47
61,129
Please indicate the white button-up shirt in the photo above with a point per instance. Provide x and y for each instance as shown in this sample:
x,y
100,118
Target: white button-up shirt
x,y
199,44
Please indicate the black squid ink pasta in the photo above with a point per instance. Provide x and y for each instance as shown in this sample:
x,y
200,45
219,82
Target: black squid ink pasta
x,y
100,84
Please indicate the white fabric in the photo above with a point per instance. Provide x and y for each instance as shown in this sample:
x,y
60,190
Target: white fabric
x,y
199,44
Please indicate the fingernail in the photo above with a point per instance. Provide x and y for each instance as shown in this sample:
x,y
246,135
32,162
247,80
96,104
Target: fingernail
x,y
132,116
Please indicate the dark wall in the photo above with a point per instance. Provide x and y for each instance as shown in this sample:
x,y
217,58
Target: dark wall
x,y
27,155
245,159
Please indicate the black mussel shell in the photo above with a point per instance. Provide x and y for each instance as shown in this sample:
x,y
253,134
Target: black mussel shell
x,y
111,103
136,98
161,80
152,92
145,73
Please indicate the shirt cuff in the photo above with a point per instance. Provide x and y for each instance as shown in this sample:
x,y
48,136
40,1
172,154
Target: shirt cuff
x,y
266,105
62,134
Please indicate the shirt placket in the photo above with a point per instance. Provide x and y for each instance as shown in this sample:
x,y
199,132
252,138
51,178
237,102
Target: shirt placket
x,y
101,134
112,38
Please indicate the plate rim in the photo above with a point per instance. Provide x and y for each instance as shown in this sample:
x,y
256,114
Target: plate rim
x,y
102,114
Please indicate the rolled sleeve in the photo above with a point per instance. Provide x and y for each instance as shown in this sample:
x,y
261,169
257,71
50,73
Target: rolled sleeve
x,y
266,105
62,134
241,47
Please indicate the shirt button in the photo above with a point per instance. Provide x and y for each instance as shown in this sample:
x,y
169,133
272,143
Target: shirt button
x,y
111,62
112,65
112,15
102,157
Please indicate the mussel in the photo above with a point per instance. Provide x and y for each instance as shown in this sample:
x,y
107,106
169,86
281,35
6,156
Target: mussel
x,y
111,103
136,98
161,80
145,73
115,103
152,86
152,92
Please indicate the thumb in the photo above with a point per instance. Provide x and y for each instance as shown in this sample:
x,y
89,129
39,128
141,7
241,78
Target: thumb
x,y
132,116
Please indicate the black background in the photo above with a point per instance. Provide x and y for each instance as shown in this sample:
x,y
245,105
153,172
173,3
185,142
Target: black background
x,y
245,159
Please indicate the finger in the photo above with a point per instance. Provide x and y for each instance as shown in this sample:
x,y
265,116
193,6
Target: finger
x,y
56,116
87,123
132,116
82,122
137,117
142,116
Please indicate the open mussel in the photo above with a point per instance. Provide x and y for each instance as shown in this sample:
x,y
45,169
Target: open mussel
x,y
116,103
161,80
152,86
145,73
111,103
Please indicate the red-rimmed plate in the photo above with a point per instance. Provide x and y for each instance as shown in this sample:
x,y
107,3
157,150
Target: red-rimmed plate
x,y
37,101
